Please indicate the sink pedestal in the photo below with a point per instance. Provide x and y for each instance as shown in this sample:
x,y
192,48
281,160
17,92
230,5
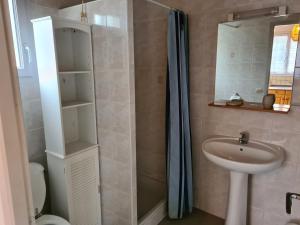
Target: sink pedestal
x,y
238,194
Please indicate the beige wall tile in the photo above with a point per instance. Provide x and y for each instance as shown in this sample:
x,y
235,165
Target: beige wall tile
x,y
115,111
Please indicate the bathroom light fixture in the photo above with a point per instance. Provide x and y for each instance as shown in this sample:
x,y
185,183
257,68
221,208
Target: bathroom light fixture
x,y
273,11
83,13
295,32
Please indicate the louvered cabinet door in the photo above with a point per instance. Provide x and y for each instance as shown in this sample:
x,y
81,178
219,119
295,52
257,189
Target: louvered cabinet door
x,y
82,173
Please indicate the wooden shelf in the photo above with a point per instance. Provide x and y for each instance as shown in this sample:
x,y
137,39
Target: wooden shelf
x,y
78,146
248,106
74,72
74,104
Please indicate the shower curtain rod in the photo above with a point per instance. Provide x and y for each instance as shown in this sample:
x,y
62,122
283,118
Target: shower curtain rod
x,y
161,5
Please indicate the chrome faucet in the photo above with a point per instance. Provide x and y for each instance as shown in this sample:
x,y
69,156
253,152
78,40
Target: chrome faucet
x,y
244,139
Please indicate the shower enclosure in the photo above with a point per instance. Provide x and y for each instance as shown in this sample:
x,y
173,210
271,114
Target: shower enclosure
x,y
150,30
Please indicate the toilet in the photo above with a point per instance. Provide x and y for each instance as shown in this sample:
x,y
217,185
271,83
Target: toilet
x,y
38,186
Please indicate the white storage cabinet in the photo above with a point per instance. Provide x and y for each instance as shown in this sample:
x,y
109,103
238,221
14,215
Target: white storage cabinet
x,y
65,67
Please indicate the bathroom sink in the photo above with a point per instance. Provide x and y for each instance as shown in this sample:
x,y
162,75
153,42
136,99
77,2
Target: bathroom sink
x,y
252,158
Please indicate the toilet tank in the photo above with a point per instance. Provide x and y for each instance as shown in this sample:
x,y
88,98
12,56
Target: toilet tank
x,y
38,186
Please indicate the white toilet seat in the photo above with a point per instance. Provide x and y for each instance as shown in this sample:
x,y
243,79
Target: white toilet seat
x,y
51,220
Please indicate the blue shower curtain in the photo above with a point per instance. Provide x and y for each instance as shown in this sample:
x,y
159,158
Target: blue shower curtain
x,y
179,149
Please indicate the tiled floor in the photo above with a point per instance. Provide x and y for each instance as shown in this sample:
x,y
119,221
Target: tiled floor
x,y
197,218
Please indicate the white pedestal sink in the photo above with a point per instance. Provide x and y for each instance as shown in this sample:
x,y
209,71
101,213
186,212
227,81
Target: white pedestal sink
x,y
242,160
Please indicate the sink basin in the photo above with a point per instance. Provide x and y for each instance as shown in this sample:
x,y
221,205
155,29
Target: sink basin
x,y
242,160
252,158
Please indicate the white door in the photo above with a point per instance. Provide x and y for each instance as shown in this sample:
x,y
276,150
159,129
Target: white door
x,y
15,193
82,172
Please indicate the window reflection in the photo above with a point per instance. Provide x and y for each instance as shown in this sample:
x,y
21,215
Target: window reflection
x,y
284,53
107,21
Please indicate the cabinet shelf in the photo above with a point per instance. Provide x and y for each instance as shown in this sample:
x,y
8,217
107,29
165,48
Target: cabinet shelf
x,y
74,104
78,146
74,72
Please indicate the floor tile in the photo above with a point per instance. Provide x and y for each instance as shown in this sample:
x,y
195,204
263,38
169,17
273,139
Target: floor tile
x,y
197,218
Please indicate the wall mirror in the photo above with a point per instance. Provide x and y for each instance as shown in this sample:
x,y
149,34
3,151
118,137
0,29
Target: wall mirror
x,y
256,57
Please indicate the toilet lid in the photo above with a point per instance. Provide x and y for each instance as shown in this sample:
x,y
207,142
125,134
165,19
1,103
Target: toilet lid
x,y
38,186
51,220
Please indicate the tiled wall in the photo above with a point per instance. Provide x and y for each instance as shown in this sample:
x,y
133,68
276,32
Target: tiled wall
x,y
116,127
267,191
28,81
112,38
150,36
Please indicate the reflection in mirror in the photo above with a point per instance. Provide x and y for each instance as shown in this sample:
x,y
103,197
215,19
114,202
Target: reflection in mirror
x,y
255,58
242,60
296,83
285,41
